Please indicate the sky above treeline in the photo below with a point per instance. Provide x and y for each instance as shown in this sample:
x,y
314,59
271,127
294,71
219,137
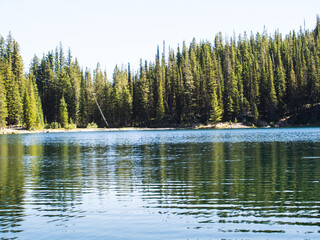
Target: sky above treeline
x,y
122,31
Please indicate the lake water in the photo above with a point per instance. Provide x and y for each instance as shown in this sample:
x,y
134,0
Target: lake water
x,y
184,184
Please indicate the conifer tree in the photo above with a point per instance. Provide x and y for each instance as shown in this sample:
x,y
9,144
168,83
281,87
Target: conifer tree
x,y
30,108
99,84
208,83
3,104
130,82
126,106
89,100
160,105
158,91
144,93
231,91
272,98
14,103
34,65
83,111
63,113
47,84
17,68
171,86
163,75
280,84
255,113
229,108
291,86
195,71
254,88
116,106
39,111
216,111
2,47
73,70
188,87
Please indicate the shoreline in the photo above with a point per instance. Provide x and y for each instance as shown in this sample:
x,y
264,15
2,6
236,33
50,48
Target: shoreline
x,y
218,126
224,125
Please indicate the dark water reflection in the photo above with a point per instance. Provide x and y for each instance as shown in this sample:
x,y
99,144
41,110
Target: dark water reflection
x,y
210,184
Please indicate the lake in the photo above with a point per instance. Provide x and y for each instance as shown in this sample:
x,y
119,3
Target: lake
x,y
177,184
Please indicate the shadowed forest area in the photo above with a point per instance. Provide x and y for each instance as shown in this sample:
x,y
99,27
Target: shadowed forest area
x,y
249,78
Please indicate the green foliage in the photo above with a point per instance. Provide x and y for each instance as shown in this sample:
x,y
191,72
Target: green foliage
x,y
53,125
216,111
3,105
255,113
14,103
229,108
256,78
71,126
126,105
63,113
158,91
32,110
29,114
92,125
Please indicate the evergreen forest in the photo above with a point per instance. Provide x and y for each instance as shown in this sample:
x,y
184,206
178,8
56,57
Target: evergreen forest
x,y
249,78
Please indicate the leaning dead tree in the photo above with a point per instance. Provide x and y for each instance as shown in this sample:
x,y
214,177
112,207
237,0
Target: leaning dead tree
x,y
99,108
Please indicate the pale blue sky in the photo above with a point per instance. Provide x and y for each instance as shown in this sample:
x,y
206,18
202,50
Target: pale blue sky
x,y
122,31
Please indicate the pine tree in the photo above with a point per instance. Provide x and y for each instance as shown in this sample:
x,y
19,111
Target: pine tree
x,y
39,111
291,86
130,82
30,108
63,113
216,111
143,94
64,88
158,91
47,84
88,97
195,71
280,85
17,68
164,79
238,94
116,106
254,88
230,87
2,47
229,108
208,82
126,106
188,87
272,98
83,110
3,104
14,103
255,113
75,79
99,83
171,87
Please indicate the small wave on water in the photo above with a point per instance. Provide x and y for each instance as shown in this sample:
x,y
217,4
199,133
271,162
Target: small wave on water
x,y
190,184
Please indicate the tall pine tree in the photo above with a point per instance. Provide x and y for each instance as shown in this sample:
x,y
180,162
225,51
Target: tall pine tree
x,y
3,104
63,113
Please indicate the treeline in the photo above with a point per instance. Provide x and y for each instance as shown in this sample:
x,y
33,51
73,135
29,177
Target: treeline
x,y
20,102
238,79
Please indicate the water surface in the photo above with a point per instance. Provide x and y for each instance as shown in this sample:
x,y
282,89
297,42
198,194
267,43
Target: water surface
x,y
186,184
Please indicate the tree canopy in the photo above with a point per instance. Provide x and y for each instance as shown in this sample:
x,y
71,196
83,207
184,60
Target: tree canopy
x,y
261,76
